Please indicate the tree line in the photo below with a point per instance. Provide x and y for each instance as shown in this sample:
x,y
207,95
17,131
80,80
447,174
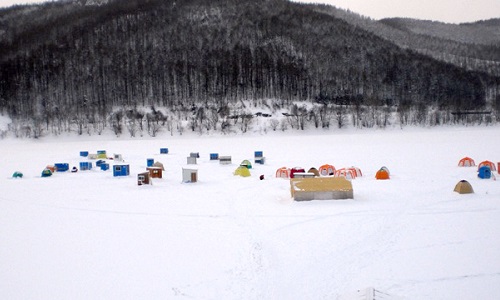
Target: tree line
x,y
150,65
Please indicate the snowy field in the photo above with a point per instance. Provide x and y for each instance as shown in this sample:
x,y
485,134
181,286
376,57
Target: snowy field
x,y
89,235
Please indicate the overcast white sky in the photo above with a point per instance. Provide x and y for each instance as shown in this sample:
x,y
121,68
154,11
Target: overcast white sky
x,y
451,11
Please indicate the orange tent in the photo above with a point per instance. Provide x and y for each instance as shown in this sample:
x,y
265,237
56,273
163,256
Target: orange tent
x,y
347,173
326,170
382,174
51,168
466,162
487,163
283,172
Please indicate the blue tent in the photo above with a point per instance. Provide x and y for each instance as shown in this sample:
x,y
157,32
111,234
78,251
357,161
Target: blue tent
x,y
484,172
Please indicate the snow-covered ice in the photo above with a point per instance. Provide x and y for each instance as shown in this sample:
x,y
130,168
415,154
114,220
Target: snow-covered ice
x,y
89,235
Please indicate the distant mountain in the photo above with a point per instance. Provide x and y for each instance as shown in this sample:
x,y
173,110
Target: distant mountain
x,y
482,32
473,46
88,60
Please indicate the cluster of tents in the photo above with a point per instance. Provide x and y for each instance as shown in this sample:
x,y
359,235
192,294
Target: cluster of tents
x,y
485,168
484,171
329,170
324,170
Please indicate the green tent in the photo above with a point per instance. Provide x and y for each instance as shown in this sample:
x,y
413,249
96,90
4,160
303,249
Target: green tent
x,y
246,163
242,171
17,174
46,173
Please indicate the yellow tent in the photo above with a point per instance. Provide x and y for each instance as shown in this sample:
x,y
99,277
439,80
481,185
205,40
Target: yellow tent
x,y
242,171
463,187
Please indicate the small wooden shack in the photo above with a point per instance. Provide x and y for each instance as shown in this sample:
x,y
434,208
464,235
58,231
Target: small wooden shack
x,y
189,175
321,188
143,178
155,172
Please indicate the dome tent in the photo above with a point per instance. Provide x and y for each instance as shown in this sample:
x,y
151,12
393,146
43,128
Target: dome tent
x,y
242,171
326,170
487,163
17,174
484,172
463,187
296,170
382,174
466,162
246,163
46,172
346,173
314,171
283,172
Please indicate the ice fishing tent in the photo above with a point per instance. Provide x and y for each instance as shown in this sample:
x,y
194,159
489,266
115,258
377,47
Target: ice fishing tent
x,y
314,171
487,163
346,173
484,172
85,165
155,172
326,170
321,188
121,170
283,172
191,160
144,178
466,162
51,168
246,163
46,173
102,154
242,171
259,157
61,167
463,187
225,160
382,174
357,171
17,174
189,175
296,170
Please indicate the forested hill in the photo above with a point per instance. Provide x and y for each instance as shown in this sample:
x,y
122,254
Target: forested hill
x,y
77,61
